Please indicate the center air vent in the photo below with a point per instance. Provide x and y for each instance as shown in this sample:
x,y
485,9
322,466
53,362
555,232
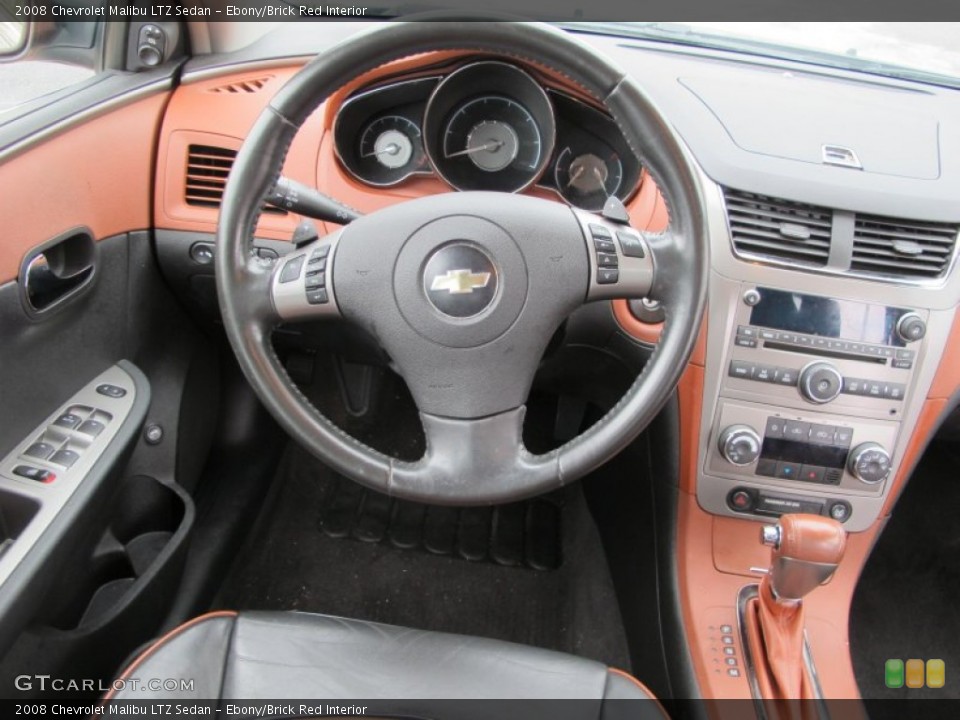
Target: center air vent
x,y
902,248
207,170
771,228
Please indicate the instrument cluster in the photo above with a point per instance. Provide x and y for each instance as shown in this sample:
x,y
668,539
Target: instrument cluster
x,y
488,125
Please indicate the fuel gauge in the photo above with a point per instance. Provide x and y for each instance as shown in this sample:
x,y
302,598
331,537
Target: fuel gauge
x,y
586,179
391,148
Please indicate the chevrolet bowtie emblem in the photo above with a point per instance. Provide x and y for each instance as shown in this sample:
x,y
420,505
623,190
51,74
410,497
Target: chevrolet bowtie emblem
x,y
459,282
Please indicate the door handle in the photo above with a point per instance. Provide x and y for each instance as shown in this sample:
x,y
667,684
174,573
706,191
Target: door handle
x,y
57,271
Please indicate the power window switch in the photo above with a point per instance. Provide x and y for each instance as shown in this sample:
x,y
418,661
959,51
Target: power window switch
x,y
111,391
39,450
68,421
91,428
66,458
34,473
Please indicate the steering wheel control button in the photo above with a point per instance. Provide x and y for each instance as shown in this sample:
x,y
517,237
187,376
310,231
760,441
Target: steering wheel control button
x,y
313,282
34,473
630,245
39,450
604,246
317,297
615,211
820,382
605,260
460,280
66,458
599,232
607,276
111,391
291,269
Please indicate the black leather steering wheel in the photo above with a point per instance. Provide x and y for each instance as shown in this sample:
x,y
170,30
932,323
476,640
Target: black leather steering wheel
x,y
463,290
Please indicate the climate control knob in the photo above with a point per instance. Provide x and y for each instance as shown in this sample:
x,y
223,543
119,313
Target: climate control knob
x,y
820,382
740,444
911,328
869,462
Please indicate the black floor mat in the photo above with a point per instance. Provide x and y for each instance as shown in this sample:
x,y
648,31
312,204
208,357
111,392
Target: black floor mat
x,y
906,604
290,563
525,534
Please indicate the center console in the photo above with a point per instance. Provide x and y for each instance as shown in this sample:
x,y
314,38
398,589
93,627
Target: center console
x,y
812,392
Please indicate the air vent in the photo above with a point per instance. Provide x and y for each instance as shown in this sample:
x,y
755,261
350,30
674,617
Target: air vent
x,y
902,248
783,230
243,86
207,170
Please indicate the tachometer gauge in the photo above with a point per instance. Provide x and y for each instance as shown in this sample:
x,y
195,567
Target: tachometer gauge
x,y
390,149
586,179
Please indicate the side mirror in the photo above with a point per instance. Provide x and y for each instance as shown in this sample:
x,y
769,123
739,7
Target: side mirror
x,y
13,37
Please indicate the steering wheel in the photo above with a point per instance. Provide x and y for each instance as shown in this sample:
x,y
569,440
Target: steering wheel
x,y
464,290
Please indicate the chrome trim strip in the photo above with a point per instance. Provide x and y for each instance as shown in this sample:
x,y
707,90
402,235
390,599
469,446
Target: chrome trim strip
x,y
746,594
89,113
937,282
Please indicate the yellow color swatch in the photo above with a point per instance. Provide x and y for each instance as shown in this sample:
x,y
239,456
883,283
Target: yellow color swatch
x,y
914,673
936,673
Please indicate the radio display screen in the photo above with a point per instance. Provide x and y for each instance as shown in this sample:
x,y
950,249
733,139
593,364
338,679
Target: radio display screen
x,y
827,317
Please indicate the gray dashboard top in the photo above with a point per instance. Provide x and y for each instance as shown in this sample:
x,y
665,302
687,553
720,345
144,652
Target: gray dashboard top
x,y
758,124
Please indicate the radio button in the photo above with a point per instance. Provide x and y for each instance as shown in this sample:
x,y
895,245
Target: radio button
x,y
812,473
746,331
893,391
746,341
774,428
905,354
769,335
788,470
901,364
741,369
836,345
764,373
855,347
796,430
820,342
822,434
874,389
787,376
842,437
854,386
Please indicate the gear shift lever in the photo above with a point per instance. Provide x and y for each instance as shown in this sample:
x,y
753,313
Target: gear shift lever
x,y
806,552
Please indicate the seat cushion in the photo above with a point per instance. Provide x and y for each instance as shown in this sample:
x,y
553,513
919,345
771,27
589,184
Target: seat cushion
x,y
297,656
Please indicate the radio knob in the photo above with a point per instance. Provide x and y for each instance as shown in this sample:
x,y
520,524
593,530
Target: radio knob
x,y
739,444
869,462
820,382
911,328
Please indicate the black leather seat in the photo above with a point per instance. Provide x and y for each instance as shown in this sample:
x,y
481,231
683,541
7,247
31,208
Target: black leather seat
x,y
297,656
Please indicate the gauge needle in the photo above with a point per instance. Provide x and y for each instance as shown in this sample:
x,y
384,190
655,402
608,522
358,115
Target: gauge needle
x,y
576,175
391,149
493,145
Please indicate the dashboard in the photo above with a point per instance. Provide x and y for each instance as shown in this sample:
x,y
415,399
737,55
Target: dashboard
x,y
485,125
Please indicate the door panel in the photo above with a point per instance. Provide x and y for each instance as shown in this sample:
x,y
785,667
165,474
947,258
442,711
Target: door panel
x,y
97,175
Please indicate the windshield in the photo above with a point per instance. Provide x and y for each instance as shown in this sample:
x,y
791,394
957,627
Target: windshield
x,y
927,52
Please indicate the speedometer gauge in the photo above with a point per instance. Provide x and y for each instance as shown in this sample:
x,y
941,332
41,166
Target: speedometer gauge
x,y
496,135
489,126
586,179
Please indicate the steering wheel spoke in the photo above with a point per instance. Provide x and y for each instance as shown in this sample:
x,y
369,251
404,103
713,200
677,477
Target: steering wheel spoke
x,y
475,460
302,285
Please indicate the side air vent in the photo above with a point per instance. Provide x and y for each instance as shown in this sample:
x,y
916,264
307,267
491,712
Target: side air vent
x,y
207,170
902,248
766,227
243,86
